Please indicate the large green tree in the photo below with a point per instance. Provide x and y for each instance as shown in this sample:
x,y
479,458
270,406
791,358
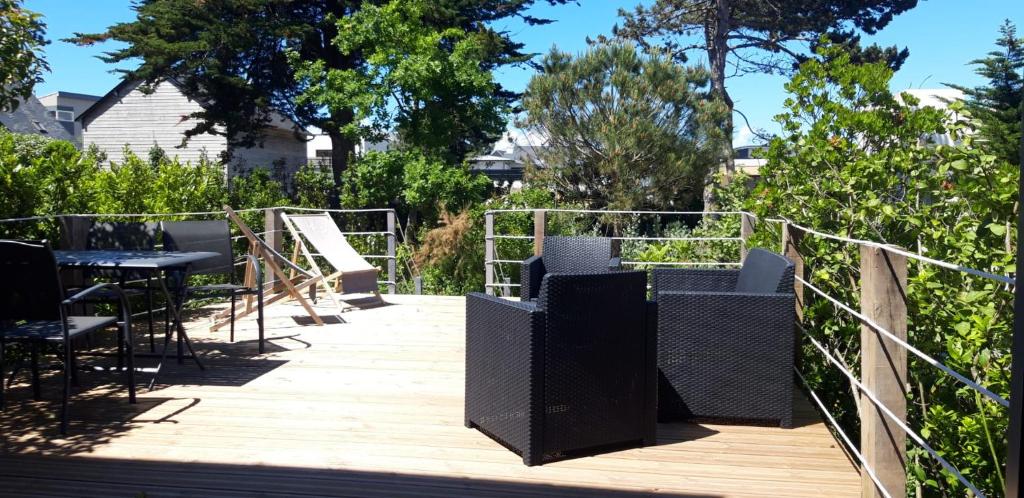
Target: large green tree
x,y
758,36
432,85
996,106
239,56
21,59
626,130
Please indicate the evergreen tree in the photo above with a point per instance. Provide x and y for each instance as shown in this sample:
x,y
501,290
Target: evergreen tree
x,y
996,106
625,130
759,36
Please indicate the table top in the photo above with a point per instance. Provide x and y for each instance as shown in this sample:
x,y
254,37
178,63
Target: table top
x,y
140,260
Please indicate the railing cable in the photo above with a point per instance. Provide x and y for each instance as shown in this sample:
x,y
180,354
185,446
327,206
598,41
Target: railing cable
x,y
917,352
896,420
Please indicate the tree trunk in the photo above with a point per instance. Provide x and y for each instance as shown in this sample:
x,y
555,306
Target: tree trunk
x,y
342,148
716,33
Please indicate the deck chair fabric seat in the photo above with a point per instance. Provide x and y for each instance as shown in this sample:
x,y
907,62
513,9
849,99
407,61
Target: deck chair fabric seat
x,y
291,285
352,273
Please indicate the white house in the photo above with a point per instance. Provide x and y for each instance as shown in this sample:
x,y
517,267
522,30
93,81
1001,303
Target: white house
x,y
509,156
126,116
65,107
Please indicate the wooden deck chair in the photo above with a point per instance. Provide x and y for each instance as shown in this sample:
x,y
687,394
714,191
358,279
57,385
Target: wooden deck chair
x,y
352,274
294,284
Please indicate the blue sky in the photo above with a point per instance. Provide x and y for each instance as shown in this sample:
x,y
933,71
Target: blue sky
x,y
943,37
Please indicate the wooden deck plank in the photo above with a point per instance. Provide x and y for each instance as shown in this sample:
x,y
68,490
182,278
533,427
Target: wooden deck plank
x,y
368,407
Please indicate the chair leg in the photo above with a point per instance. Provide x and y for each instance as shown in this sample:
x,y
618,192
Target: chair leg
x,y
127,332
259,318
73,360
67,388
3,366
149,313
233,298
36,389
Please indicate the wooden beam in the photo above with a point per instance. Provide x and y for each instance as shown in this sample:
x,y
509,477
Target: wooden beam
x,y
883,369
539,229
791,238
274,236
746,230
489,253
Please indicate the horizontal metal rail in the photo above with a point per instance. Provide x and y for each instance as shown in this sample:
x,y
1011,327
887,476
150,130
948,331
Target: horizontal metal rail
x,y
896,420
614,211
906,345
896,250
846,439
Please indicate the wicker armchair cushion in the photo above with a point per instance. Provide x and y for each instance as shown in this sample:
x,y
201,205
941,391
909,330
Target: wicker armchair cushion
x,y
765,272
577,254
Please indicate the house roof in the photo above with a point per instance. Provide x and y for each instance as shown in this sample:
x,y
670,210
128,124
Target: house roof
x,y
73,95
31,118
125,87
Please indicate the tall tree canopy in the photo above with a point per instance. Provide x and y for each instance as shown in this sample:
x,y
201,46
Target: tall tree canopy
x,y
235,55
21,59
429,84
996,106
626,130
768,36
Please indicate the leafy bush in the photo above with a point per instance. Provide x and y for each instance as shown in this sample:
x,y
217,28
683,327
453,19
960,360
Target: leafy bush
x,y
853,161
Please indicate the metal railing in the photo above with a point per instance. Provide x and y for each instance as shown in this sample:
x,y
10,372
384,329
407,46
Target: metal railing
x,y
493,263
273,230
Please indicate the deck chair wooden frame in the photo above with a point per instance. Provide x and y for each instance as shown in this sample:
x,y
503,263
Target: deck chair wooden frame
x,y
302,248
299,279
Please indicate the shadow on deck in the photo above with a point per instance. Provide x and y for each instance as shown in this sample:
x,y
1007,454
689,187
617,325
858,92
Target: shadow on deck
x,y
368,407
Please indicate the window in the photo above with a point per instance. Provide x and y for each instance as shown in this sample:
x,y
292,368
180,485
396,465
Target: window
x,y
65,115
323,153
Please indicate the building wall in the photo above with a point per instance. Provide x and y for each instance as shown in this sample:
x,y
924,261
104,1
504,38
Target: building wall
x,y
74,103
280,147
140,121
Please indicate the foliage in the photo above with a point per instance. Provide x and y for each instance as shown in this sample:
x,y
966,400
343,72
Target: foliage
x,y
416,186
996,106
456,272
431,84
313,186
852,161
431,186
375,180
758,36
21,53
241,57
625,130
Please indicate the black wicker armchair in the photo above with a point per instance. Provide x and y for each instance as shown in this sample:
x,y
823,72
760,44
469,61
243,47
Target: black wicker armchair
x,y
726,341
567,255
570,373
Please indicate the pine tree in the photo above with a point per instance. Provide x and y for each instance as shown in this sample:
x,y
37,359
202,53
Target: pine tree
x,y
996,106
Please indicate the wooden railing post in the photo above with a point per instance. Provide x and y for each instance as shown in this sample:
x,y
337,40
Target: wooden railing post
x,y
74,233
273,225
883,369
489,253
746,230
392,262
791,249
539,224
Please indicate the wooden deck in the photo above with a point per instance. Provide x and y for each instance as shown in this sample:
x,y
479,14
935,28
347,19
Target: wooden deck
x,y
368,407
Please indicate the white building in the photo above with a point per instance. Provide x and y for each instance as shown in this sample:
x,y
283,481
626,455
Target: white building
x,y
508,158
65,107
127,117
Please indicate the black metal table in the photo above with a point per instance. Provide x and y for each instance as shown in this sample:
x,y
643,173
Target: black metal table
x,y
151,263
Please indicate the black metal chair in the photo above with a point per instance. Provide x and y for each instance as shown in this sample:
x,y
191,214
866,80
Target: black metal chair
x,y
123,236
573,372
215,236
726,341
567,255
33,310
